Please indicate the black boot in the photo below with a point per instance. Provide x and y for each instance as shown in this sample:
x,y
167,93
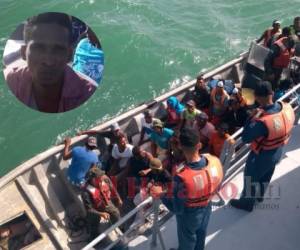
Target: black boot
x,y
241,204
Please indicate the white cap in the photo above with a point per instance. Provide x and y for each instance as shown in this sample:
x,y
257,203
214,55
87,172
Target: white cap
x,y
220,84
235,91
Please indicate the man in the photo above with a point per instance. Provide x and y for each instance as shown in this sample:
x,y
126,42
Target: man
x,y
112,135
189,115
201,94
160,140
98,197
146,123
205,128
278,59
121,153
295,28
82,157
218,139
268,131
46,83
219,102
194,185
269,34
139,161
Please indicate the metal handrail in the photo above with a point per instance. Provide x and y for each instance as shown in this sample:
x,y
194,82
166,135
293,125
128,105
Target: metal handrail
x,y
118,223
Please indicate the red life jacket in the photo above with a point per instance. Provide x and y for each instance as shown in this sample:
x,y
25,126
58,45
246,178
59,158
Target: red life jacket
x,y
101,195
173,117
283,60
201,185
279,127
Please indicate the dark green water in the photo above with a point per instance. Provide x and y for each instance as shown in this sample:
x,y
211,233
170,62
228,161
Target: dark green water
x,y
150,47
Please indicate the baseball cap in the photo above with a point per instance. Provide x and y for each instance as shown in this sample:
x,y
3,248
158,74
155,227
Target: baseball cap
x,y
156,164
263,88
115,126
157,123
191,103
189,137
92,141
220,84
276,22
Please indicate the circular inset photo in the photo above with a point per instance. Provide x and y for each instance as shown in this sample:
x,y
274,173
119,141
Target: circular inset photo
x,y
53,62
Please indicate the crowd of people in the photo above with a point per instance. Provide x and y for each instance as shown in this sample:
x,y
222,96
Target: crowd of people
x,y
185,143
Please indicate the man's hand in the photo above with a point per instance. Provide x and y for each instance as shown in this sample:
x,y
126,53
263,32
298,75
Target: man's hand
x,y
156,191
105,215
79,133
119,203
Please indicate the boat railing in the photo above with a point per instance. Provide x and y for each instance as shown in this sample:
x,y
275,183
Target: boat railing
x,y
155,230
234,155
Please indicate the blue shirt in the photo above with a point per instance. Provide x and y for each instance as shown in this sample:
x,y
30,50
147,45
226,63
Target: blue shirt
x,y
162,139
176,203
256,129
88,60
82,160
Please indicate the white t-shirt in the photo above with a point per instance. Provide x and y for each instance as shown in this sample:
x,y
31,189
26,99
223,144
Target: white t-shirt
x,y
146,125
122,156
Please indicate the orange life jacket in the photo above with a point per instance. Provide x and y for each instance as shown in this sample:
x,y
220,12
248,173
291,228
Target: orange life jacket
x,y
283,60
218,104
200,185
279,127
101,195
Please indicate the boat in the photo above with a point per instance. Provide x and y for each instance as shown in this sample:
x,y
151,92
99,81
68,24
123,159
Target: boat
x,y
44,210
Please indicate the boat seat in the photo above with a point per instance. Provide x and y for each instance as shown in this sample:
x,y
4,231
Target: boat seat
x,y
74,192
49,194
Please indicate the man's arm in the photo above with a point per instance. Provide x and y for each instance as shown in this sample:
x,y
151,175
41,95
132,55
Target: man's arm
x,y
89,206
275,51
154,149
254,130
261,38
67,153
176,203
87,132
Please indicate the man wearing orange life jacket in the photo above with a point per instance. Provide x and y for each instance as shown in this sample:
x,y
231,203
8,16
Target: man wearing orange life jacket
x,y
270,33
194,185
97,198
268,131
279,59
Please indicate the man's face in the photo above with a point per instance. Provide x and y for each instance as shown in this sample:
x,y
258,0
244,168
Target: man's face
x,y
191,108
219,90
148,119
122,142
47,53
297,24
158,130
200,82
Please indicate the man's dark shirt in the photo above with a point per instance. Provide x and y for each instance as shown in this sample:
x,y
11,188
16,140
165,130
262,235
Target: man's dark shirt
x,y
136,165
201,97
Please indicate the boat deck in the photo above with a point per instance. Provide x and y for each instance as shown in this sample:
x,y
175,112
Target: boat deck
x,y
273,224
